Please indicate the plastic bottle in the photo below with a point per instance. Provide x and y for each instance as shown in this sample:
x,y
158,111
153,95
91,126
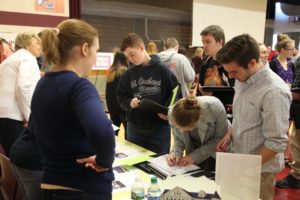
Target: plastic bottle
x,y
137,189
154,189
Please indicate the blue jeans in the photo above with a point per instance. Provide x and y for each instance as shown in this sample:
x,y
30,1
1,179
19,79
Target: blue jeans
x,y
29,182
74,195
156,140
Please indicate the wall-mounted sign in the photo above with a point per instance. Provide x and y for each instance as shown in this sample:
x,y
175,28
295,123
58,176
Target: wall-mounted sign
x,y
104,61
55,6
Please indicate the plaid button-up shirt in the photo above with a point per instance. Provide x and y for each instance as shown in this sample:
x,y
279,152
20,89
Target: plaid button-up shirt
x,y
261,116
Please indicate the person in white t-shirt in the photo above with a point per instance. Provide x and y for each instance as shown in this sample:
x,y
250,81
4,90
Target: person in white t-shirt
x,y
19,74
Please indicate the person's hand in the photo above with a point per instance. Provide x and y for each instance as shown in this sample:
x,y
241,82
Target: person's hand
x,y
162,116
222,145
25,124
172,160
91,162
185,161
134,102
42,73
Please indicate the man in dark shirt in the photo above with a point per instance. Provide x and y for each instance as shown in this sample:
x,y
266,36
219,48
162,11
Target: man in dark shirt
x,y
212,73
149,78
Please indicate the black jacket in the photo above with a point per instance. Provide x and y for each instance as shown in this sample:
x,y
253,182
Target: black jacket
x,y
154,81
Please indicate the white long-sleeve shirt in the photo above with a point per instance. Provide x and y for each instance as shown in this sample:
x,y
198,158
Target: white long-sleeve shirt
x,y
19,74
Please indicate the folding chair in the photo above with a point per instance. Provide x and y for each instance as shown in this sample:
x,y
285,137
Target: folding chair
x,y
8,183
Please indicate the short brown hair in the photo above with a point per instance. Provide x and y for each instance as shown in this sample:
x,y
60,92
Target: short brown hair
x,y
58,43
171,43
131,40
240,49
216,31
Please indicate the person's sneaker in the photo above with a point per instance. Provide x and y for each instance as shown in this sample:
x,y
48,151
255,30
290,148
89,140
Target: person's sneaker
x,y
288,182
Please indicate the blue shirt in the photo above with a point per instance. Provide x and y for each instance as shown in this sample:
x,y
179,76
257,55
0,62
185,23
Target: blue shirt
x,y
69,123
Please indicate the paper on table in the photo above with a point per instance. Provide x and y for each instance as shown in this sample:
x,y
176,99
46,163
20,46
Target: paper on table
x,y
115,127
127,179
161,164
128,153
123,181
130,149
190,184
239,175
135,160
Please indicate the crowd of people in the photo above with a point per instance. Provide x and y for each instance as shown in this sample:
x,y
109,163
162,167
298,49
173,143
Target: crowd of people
x,y
61,142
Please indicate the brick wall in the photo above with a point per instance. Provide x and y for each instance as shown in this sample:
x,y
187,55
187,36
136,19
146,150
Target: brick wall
x,y
113,29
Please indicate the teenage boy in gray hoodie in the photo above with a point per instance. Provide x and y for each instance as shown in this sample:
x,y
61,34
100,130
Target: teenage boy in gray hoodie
x,y
178,64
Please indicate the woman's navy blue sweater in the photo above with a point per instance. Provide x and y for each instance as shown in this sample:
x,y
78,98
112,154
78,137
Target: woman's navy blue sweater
x,y
69,123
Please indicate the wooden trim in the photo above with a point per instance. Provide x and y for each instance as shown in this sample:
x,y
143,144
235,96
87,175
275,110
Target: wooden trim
x,y
26,19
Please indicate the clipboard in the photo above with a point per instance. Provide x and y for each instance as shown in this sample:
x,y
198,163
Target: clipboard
x,y
150,170
217,89
224,93
152,106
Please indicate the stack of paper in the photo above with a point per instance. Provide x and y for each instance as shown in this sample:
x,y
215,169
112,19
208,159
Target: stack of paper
x,y
129,154
190,184
160,163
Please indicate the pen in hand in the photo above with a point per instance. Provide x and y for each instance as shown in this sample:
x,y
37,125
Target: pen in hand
x,y
224,144
171,158
176,158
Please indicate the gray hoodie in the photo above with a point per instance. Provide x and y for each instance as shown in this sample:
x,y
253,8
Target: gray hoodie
x,y
180,65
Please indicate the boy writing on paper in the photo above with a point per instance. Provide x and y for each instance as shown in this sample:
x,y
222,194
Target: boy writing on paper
x,y
198,123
